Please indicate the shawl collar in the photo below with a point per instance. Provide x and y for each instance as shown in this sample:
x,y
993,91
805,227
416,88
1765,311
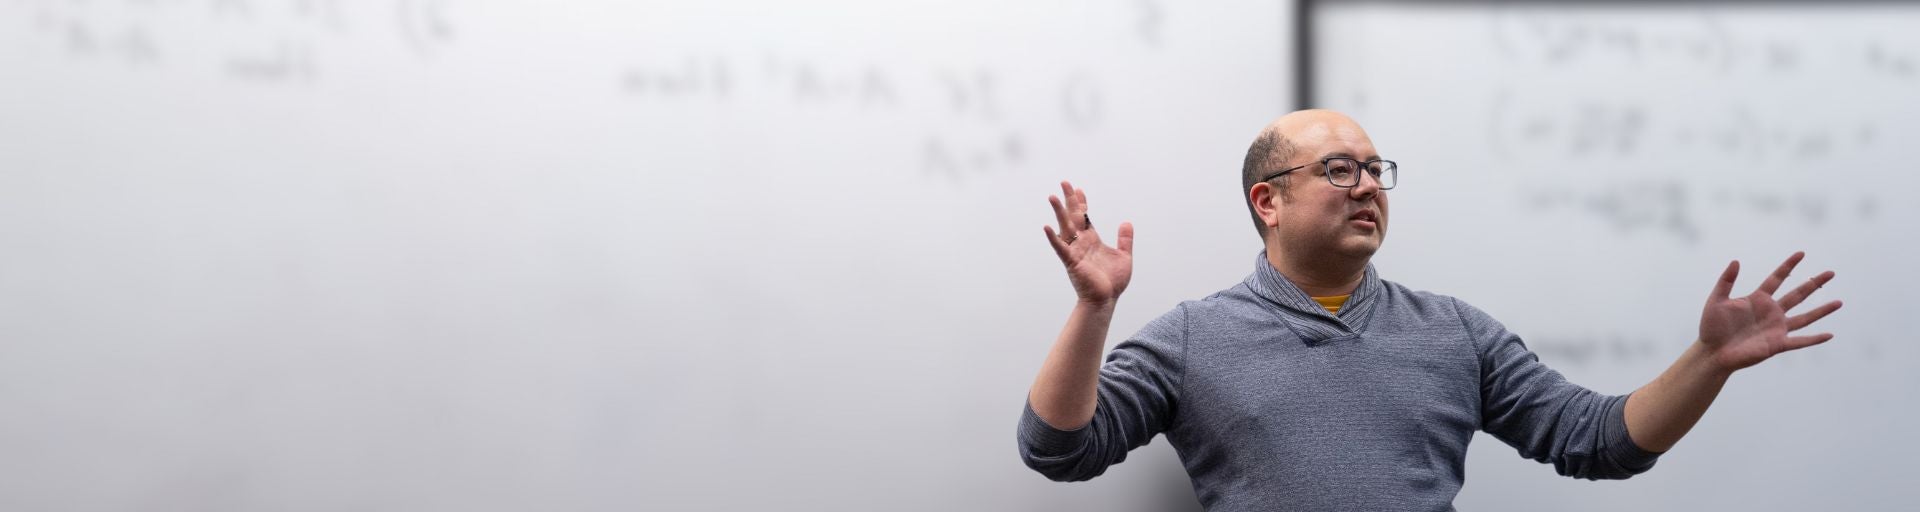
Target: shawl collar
x,y
1308,318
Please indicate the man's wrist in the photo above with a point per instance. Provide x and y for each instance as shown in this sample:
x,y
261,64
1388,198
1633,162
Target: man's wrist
x,y
1699,360
1097,306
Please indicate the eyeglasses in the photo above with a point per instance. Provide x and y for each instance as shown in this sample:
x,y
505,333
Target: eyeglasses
x,y
1344,172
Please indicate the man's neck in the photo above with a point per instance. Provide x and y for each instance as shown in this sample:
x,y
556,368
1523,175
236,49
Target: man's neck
x,y
1319,277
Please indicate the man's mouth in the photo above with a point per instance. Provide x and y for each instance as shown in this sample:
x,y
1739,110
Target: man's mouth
x,y
1366,217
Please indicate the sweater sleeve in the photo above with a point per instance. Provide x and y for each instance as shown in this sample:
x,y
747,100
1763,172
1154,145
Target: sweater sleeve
x,y
1534,409
1137,397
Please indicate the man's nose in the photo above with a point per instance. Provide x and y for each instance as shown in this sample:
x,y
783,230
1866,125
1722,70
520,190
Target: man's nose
x,y
1366,188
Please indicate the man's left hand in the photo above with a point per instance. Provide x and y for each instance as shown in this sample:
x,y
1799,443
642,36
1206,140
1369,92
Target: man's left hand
x,y
1742,332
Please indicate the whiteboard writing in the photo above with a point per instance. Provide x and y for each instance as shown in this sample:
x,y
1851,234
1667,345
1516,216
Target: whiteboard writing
x,y
250,41
983,114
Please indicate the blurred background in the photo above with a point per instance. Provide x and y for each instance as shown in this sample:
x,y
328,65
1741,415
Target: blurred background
x,y
730,255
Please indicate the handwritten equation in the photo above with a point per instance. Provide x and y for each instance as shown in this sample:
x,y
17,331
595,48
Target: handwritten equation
x,y
1676,208
1625,127
1700,41
974,100
1694,86
261,41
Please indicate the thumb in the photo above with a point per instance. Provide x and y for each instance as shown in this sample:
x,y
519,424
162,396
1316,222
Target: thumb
x,y
1126,238
1724,287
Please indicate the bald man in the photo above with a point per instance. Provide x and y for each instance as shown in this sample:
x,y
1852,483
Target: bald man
x,y
1316,385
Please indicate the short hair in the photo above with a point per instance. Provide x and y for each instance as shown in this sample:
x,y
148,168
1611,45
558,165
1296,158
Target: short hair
x,y
1269,151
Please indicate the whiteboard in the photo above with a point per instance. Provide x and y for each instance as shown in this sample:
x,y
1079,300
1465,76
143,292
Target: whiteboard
x,y
589,255
1583,171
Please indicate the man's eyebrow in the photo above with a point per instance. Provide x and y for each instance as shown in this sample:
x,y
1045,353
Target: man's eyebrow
x,y
1343,154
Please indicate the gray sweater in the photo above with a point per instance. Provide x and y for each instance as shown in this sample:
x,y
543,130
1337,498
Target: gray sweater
x,y
1275,404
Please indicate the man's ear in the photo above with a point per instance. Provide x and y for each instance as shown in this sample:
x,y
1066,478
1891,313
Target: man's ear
x,y
1266,199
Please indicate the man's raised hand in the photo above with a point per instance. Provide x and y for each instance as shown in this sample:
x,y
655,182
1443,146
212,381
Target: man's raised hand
x,y
1098,272
1742,332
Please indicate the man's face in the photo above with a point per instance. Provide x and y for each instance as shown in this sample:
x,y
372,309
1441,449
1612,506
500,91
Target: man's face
x,y
1316,219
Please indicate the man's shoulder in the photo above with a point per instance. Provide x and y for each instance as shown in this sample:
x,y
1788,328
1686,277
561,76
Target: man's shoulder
x,y
1236,297
1406,296
1232,308
1443,305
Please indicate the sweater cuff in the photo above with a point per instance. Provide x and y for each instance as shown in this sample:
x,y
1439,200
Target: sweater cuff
x,y
1042,440
1620,446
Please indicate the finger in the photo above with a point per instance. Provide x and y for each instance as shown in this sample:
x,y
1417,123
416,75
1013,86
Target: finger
x,y
1073,199
1795,322
1806,289
1800,342
1126,238
1780,274
1086,222
1059,246
1060,214
1080,197
1725,286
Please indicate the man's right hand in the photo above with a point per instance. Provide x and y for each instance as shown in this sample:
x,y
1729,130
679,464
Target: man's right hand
x,y
1099,273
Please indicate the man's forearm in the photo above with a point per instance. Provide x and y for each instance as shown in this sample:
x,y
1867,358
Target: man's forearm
x,y
1662,412
1067,389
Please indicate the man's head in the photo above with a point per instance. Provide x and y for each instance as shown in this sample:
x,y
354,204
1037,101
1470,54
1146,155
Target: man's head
x,y
1301,213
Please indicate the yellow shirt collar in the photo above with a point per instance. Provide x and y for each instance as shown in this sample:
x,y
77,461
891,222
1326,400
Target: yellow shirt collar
x,y
1332,303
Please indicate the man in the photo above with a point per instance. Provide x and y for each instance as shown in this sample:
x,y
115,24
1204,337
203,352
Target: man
x,y
1317,385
